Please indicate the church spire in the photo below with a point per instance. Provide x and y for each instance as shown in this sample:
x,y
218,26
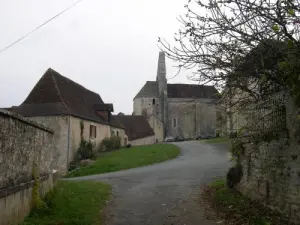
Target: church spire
x,y
161,68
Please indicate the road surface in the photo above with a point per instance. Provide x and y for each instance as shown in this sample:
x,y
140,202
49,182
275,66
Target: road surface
x,y
166,193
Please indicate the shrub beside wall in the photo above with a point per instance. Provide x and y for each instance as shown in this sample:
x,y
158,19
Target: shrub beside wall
x,y
110,144
85,150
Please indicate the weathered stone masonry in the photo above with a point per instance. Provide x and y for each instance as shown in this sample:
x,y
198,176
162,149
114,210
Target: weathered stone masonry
x,y
22,143
271,169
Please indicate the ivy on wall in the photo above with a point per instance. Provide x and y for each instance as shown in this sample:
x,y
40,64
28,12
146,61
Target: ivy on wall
x,y
81,129
37,201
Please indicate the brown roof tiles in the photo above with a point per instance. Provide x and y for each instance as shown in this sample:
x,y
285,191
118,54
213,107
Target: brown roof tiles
x,y
55,94
150,90
135,126
191,91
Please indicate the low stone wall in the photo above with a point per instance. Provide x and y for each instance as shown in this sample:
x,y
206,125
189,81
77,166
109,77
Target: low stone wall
x,y
271,168
61,152
25,146
271,174
15,202
143,141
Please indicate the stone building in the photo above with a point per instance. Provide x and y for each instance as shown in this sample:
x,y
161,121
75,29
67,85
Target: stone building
x,y
176,110
73,112
137,130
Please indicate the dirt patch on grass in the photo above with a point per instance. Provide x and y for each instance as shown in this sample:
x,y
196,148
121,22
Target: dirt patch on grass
x,y
230,207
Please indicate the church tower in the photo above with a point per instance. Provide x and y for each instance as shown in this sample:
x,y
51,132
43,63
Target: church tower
x,y
162,88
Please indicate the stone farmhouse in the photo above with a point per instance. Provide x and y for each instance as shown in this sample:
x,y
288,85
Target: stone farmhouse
x,y
177,110
70,109
137,129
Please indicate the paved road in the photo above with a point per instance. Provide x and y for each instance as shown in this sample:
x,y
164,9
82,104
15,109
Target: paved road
x,y
166,193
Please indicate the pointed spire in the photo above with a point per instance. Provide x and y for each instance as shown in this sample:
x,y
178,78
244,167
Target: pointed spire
x,y
161,68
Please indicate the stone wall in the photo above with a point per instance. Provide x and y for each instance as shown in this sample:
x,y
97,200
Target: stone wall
x,y
147,107
193,118
140,104
23,144
221,124
121,133
151,109
15,204
157,127
271,169
143,141
60,124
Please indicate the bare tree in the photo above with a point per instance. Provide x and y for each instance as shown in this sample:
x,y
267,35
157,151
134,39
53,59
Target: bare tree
x,y
249,49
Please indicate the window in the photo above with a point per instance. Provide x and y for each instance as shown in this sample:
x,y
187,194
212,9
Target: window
x,y
153,101
117,133
93,131
174,122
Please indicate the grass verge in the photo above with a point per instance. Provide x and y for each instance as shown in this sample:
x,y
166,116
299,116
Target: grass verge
x,y
231,207
128,158
72,203
215,140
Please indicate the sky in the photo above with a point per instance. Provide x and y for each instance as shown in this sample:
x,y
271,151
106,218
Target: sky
x,y
109,47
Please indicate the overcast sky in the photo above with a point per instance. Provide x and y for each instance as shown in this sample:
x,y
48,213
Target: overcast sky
x,y
109,47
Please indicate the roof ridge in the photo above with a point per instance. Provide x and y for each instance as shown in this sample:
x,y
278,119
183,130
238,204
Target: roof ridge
x,y
75,83
128,116
145,87
192,84
58,91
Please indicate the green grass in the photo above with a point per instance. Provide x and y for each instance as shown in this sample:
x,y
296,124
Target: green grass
x,y
215,140
236,208
73,203
217,184
128,158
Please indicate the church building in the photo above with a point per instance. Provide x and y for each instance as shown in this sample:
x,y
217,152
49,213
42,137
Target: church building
x,y
176,110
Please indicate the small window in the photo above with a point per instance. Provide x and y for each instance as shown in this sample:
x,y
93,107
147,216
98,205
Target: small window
x,y
112,133
174,122
153,101
117,133
93,131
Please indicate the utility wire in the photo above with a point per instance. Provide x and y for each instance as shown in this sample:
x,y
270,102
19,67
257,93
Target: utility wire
x,y
40,26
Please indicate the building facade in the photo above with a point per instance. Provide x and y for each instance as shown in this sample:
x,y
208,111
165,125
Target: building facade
x,y
137,130
73,112
177,110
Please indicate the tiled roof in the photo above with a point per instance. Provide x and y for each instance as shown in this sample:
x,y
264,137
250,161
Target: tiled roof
x,y
55,94
135,126
191,91
150,90
104,107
